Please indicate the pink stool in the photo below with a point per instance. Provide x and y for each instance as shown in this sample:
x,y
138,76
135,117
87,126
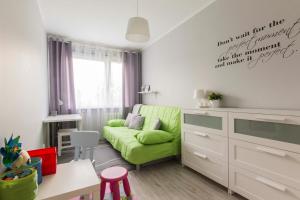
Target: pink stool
x,y
112,176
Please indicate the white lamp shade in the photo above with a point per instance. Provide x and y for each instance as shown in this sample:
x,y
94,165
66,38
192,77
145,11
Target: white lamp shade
x,y
199,94
137,30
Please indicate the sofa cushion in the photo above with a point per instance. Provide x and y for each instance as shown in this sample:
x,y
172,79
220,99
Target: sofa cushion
x,y
120,135
136,108
155,124
136,122
128,118
154,137
116,122
124,140
169,118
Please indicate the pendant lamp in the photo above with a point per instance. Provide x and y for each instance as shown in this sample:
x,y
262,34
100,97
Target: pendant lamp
x,y
138,28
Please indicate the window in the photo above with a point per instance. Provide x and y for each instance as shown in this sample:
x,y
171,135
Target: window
x,y
98,84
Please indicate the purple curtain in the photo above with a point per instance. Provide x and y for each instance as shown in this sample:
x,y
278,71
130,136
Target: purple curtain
x,y
61,83
62,97
132,79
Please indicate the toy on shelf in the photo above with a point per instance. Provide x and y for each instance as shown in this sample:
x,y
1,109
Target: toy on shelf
x,y
14,175
21,177
49,159
19,184
15,158
13,155
36,163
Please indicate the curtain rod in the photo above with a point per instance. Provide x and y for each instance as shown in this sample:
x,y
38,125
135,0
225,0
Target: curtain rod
x,y
59,37
68,40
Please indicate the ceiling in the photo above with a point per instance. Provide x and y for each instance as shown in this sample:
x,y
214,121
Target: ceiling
x,y
105,21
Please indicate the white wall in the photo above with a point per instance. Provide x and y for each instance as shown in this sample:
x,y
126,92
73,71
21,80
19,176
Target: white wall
x,y
185,58
23,72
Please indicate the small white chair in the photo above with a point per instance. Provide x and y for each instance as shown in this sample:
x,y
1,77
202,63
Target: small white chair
x,y
83,141
63,144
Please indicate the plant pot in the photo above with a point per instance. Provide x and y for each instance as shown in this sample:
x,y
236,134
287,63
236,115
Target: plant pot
x,y
215,103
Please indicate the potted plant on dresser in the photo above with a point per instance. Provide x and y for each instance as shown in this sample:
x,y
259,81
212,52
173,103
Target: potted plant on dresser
x,y
215,99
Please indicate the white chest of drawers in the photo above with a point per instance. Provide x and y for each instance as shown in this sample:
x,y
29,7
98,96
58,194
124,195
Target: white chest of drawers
x,y
253,152
205,143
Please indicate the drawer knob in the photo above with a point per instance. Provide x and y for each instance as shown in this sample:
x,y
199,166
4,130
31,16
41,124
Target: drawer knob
x,y
200,155
271,151
272,184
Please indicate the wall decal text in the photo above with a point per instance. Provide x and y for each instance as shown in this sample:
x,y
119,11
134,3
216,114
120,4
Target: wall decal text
x,y
260,44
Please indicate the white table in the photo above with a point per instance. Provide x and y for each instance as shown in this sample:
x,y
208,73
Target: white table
x,y
60,118
71,180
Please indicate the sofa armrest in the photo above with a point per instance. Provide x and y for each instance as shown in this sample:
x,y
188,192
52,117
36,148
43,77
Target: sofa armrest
x,y
116,122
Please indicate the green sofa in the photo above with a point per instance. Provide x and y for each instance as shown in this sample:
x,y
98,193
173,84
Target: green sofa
x,y
124,139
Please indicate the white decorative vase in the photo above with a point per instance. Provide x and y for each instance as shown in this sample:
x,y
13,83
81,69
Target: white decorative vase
x,y
215,103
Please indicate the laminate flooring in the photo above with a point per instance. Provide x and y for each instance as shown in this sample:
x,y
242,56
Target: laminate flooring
x,y
170,181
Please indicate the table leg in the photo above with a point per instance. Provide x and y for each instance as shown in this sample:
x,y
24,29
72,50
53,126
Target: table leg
x,y
116,191
53,135
126,187
96,195
102,189
85,197
48,135
79,125
45,134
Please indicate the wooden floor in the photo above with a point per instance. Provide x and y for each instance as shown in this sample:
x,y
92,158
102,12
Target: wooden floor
x,y
170,181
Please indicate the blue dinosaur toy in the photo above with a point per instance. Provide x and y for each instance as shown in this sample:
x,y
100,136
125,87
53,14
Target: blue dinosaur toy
x,y
13,155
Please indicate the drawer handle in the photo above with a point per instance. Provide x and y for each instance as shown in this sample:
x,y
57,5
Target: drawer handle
x,y
271,118
200,155
272,184
201,113
271,151
200,134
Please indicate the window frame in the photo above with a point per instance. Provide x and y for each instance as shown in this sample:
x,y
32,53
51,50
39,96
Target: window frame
x,y
108,85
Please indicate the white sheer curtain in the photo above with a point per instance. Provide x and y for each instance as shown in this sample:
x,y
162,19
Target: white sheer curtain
x,y
98,84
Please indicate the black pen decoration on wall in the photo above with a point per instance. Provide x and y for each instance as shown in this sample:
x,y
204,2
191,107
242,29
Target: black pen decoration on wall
x,y
259,45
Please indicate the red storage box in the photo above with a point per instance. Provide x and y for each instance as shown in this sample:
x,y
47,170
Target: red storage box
x,y
49,159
